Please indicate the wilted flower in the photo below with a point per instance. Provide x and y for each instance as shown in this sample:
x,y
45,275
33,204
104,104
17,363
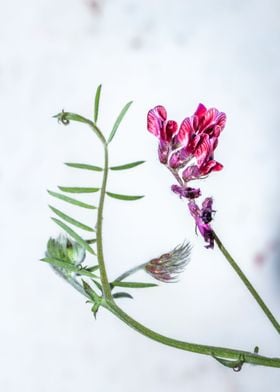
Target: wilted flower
x,y
187,192
203,216
65,249
168,266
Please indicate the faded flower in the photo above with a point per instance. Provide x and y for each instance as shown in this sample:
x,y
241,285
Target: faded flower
x,y
168,266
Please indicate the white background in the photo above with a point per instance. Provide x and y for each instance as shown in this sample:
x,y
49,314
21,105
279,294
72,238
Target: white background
x,y
53,55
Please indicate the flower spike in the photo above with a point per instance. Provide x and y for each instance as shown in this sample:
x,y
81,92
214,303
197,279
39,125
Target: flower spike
x,y
189,154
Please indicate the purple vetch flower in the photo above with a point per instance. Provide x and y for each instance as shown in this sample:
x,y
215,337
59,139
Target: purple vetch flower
x,y
191,145
168,266
203,217
187,151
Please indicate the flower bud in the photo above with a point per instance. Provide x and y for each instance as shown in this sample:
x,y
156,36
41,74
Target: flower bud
x,y
65,249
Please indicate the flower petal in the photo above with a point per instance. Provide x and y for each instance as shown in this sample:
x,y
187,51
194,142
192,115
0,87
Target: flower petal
x,y
200,111
203,150
190,173
170,130
221,120
185,132
210,166
155,120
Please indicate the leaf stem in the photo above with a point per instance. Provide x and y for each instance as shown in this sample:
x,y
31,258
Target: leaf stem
x,y
247,283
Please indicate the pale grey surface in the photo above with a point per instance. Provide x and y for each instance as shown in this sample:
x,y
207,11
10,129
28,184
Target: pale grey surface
x,y
53,55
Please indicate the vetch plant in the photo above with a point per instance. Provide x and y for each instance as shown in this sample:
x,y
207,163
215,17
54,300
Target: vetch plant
x,y
188,153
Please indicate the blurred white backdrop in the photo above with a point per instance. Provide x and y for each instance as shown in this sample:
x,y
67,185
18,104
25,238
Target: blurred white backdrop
x,y
53,55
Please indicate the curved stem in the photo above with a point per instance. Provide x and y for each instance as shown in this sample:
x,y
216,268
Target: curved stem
x,y
99,242
247,283
219,352
130,272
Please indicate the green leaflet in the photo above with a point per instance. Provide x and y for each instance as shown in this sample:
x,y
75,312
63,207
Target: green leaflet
x,y
68,219
96,103
118,121
122,295
78,189
127,166
84,166
133,285
74,235
123,197
68,266
71,201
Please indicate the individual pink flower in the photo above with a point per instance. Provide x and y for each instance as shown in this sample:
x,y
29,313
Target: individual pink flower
x,y
162,129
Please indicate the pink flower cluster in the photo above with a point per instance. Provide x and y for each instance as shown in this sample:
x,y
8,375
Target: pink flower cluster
x,y
188,152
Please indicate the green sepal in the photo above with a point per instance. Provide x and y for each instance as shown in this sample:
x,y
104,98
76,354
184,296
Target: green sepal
x,y
91,293
93,268
84,166
70,189
95,309
68,266
68,219
122,295
96,103
124,197
98,285
118,121
71,201
74,235
133,285
127,165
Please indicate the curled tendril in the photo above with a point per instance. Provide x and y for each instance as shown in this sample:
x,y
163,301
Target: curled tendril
x,y
62,117
236,366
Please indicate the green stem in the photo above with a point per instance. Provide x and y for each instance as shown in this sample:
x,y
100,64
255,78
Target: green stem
x,y
247,283
130,272
220,352
99,242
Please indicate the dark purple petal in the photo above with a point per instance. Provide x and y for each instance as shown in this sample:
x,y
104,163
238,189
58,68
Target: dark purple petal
x,y
186,192
201,217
